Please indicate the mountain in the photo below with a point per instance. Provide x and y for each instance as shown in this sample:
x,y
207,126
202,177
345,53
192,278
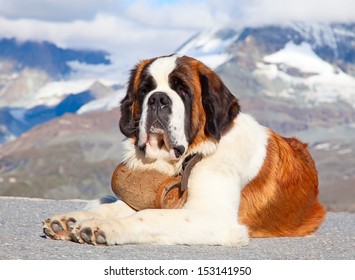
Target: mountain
x,y
20,120
303,72
68,157
36,84
310,64
298,79
15,121
47,56
27,67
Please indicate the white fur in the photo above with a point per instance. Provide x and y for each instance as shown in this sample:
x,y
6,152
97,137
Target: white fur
x,y
210,215
135,159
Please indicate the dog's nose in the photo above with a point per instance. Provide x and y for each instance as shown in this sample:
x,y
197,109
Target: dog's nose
x,y
159,100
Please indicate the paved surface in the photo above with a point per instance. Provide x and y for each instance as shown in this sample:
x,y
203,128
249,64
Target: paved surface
x,y
21,237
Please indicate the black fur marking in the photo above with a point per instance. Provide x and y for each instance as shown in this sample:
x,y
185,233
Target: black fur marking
x,y
128,125
220,105
180,87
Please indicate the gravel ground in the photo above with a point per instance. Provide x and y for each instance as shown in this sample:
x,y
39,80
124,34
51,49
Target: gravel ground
x,y
21,237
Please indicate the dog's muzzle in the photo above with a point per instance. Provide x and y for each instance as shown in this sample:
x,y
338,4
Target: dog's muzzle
x,y
159,131
159,111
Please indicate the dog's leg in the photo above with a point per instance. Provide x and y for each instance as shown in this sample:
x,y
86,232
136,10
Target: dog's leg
x,y
163,226
60,226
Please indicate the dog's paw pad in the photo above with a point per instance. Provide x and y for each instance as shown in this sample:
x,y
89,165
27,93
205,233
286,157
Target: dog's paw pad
x,y
48,232
86,235
100,237
70,223
53,229
57,227
89,235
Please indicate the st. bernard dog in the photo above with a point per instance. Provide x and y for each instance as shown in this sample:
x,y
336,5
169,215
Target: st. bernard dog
x,y
251,182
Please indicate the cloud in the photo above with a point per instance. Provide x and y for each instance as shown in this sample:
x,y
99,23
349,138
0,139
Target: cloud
x,y
120,36
182,13
49,10
138,29
179,14
256,12
129,29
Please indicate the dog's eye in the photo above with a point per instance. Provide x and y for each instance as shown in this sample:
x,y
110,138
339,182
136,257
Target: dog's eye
x,y
180,87
182,90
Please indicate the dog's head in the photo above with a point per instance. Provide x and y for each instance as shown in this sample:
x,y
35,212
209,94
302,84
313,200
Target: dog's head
x,y
173,104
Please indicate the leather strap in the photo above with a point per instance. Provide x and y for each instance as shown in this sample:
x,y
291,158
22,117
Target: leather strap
x,y
187,166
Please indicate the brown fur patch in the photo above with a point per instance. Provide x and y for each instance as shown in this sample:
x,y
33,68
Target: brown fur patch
x,y
136,82
198,116
137,78
282,199
188,70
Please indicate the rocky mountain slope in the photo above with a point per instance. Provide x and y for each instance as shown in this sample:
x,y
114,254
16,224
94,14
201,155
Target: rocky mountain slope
x,y
69,157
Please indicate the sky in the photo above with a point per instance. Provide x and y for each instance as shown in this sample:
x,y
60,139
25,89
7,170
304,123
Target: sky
x,y
138,29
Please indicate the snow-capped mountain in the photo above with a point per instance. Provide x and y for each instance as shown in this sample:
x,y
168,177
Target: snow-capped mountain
x,y
309,63
298,66
210,46
47,56
40,81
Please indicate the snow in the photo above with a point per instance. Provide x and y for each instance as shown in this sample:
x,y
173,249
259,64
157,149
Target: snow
x,y
301,57
116,71
271,71
52,93
343,32
322,81
103,104
209,48
317,33
332,87
212,46
203,43
213,61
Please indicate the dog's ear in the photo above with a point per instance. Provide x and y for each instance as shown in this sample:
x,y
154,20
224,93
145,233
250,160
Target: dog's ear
x,y
127,125
220,105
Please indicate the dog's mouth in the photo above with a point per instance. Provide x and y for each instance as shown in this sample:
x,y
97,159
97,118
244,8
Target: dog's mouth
x,y
158,143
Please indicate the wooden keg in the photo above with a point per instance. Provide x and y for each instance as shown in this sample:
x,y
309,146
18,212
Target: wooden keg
x,y
148,189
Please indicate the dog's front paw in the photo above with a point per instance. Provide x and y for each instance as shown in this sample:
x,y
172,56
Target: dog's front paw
x,y
59,227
